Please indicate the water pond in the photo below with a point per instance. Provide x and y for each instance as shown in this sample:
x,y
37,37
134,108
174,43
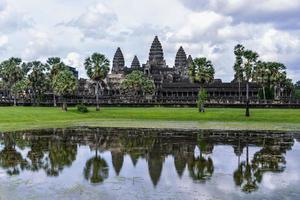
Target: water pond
x,y
110,163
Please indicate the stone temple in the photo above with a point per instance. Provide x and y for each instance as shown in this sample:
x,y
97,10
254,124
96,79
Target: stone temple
x,y
173,85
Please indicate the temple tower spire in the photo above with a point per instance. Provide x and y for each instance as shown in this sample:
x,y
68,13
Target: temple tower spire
x,y
156,54
118,62
181,66
135,63
180,60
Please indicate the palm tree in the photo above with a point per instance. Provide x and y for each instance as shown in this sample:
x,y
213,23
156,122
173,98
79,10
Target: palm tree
x,y
56,65
37,78
238,51
277,76
18,88
288,85
261,76
203,72
97,68
248,68
64,83
12,71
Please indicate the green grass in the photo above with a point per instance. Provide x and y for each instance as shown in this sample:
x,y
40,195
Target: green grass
x,y
24,118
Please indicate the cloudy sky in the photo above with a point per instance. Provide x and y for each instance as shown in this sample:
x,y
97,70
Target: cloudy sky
x,y
73,29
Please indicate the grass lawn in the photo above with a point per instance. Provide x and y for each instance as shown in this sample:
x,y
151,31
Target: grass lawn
x,y
24,118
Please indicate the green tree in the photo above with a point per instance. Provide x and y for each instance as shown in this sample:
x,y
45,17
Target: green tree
x,y
278,77
250,62
38,79
202,97
288,85
297,90
202,72
56,65
261,76
64,83
12,71
297,85
137,84
272,77
247,63
97,68
18,88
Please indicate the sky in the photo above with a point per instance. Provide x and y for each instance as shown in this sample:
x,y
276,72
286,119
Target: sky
x,y
74,29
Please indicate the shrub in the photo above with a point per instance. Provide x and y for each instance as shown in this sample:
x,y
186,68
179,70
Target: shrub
x,y
82,108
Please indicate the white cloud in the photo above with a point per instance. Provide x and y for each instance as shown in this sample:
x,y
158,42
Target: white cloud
x,y
250,6
201,26
39,46
75,60
208,28
283,14
12,19
3,40
277,46
95,22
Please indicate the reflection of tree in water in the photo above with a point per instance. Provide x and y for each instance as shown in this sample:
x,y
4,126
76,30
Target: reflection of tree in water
x,y
96,169
36,154
61,154
246,177
201,168
270,158
10,159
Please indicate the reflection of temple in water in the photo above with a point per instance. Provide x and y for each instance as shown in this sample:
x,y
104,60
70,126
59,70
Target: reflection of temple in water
x,y
53,150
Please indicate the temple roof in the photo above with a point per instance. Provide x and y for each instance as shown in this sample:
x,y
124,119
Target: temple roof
x,y
190,59
156,51
180,60
118,62
135,63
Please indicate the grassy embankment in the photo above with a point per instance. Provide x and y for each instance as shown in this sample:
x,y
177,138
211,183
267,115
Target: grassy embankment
x,y
24,118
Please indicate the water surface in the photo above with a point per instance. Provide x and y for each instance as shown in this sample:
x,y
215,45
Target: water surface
x,y
149,164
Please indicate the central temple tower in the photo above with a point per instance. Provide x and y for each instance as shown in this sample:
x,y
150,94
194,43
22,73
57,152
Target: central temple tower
x,y
118,62
156,66
156,55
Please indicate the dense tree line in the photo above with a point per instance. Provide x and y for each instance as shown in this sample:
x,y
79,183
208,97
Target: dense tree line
x,y
271,76
35,78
